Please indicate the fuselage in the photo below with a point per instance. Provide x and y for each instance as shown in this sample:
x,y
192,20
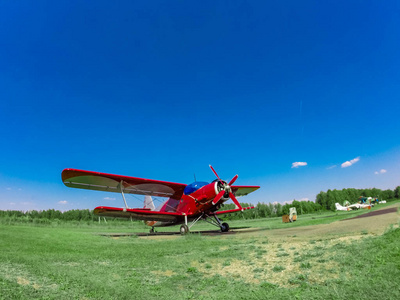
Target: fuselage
x,y
196,199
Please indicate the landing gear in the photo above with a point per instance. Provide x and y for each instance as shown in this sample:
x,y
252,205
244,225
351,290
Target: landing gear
x,y
152,230
224,227
216,222
184,229
211,218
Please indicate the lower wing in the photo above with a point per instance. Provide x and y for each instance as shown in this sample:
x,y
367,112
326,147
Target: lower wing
x,y
138,214
151,215
232,210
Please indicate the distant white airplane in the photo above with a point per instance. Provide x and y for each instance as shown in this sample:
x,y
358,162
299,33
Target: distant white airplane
x,y
352,206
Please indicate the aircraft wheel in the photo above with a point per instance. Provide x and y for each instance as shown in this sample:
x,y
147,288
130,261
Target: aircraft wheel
x,y
152,230
225,227
184,229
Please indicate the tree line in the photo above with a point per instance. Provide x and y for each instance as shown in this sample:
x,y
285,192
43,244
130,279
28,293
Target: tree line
x,y
324,201
50,214
261,210
270,210
328,199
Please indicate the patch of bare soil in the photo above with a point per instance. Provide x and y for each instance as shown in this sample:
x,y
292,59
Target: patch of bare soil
x,y
18,273
284,264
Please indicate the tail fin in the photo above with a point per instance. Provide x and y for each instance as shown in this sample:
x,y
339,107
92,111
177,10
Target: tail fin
x,y
148,203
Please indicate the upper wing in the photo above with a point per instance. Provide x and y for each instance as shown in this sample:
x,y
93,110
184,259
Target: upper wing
x,y
113,183
243,190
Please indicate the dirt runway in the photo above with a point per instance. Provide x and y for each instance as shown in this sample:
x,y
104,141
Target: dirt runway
x,y
373,223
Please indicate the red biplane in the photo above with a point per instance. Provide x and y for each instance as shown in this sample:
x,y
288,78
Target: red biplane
x,y
193,202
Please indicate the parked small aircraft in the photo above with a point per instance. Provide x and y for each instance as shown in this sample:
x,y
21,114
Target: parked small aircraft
x,y
339,207
193,202
352,206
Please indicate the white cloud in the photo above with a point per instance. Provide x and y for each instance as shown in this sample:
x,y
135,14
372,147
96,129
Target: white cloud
x,y
382,171
62,202
299,164
8,189
331,167
108,198
12,203
304,199
350,162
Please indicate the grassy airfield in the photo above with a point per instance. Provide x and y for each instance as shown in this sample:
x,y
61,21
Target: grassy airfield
x,y
319,256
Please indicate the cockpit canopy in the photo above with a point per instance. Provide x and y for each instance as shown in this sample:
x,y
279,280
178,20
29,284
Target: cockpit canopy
x,y
191,188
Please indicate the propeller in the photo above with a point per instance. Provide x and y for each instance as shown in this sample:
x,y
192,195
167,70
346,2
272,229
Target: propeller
x,y
226,188
212,169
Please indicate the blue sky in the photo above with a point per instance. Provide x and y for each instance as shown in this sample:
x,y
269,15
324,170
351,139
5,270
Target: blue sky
x,y
162,89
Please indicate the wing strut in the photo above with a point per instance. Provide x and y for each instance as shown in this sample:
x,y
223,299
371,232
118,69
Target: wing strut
x,y
122,192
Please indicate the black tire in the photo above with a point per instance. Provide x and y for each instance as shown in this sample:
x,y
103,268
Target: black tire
x,y
184,229
224,227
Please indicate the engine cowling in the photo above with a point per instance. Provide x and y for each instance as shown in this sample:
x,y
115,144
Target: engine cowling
x,y
220,186
210,191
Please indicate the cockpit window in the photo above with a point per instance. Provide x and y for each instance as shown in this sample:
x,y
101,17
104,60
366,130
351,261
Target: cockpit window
x,y
190,188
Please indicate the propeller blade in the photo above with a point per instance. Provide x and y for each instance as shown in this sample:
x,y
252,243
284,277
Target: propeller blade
x,y
212,169
218,197
233,180
232,196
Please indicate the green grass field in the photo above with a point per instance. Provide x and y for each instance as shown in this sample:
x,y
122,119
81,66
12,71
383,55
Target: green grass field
x,y
71,261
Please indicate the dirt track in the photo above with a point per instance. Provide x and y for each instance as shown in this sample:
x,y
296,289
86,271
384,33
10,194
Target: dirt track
x,y
375,213
374,223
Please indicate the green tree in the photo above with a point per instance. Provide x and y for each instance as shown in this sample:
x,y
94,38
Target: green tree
x,y
387,195
397,192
